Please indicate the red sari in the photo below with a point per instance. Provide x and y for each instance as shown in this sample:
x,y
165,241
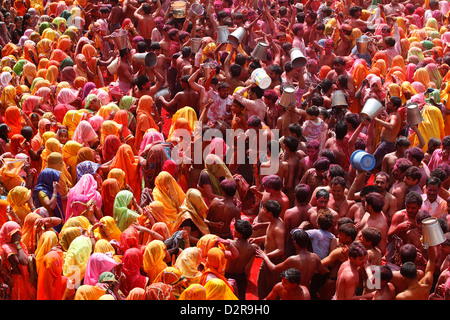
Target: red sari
x,y
51,283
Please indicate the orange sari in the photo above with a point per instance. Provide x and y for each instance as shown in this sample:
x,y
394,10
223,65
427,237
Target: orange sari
x,y
144,119
51,283
126,161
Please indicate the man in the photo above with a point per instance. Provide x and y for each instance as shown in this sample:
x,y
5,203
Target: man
x,y
315,177
348,277
254,103
289,288
390,129
146,22
322,199
306,262
338,70
390,202
432,202
407,253
157,32
440,155
125,76
294,216
403,221
312,154
355,19
186,98
416,155
223,210
374,218
239,268
401,145
338,200
273,246
399,188
326,54
292,159
418,289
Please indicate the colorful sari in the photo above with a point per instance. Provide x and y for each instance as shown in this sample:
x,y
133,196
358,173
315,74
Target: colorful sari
x,y
217,289
132,262
12,117
193,208
153,262
51,283
84,133
122,215
109,127
96,265
109,231
88,292
188,262
144,119
86,186
126,161
46,242
70,153
170,194
110,188
110,147
194,292
215,265
67,236
77,257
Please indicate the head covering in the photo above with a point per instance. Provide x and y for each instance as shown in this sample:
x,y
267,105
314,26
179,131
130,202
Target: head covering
x,y
84,133
217,289
132,262
110,147
122,215
46,242
77,256
109,231
51,283
125,160
194,292
153,262
195,209
188,262
87,185
144,118
97,264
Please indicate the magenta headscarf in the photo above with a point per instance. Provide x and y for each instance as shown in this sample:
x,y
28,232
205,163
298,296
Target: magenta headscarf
x,y
150,137
410,69
79,204
84,133
87,89
96,122
418,98
30,103
67,96
104,96
218,147
87,186
418,86
97,264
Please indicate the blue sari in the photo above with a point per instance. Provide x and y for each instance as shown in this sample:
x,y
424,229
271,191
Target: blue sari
x,y
45,184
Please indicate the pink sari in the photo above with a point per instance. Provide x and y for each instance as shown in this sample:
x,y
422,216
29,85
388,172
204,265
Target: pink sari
x,y
87,186
97,264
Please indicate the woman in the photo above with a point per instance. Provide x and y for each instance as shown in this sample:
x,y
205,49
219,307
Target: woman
x,y
110,127
151,136
217,289
51,145
144,119
132,262
136,294
20,200
110,188
55,161
110,147
77,257
214,267
46,242
121,117
131,165
46,194
70,152
210,177
86,154
192,214
87,185
13,119
88,292
119,175
52,285
169,193
154,255
72,119
67,236
89,167
194,292
155,159
188,263
96,265
15,258
108,229
123,215
173,277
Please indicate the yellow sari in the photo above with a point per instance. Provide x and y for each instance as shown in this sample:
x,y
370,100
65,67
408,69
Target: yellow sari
x,y
170,194
217,289
153,262
187,262
18,198
110,231
70,153
77,257
46,242
55,161
431,126
194,208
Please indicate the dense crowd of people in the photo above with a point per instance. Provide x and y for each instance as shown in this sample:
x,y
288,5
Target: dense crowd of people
x,y
119,180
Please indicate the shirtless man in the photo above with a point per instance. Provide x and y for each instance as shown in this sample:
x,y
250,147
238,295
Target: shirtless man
x,y
322,199
292,114
312,154
125,76
326,54
115,17
399,188
183,61
405,220
401,145
416,155
375,218
239,269
293,176
390,202
289,288
186,98
306,262
339,145
339,69
316,176
273,246
282,165
338,200
418,289
222,211
146,21
294,216
348,277
391,126
387,289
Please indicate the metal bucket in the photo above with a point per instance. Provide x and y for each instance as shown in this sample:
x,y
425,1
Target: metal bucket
x,y
432,232
297,58
260,51
361,44
196,44
362,160
147,59
236,37
413,115
288,96
338,99
120,38
371,109
222,34
179,9
261,78
196,10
